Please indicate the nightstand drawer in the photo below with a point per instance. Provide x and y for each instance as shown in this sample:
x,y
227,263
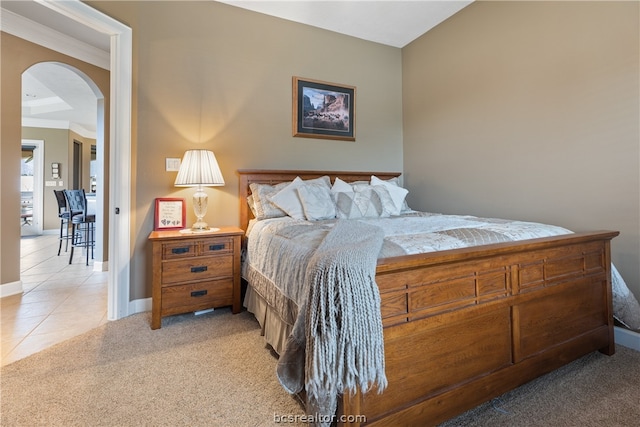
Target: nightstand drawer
x,y
177,250
216,246
197,296
190,270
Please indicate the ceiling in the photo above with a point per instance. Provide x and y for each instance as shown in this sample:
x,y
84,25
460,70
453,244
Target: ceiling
x,y
392,22
54,96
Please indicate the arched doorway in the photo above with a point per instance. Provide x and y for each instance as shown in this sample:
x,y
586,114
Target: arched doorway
x,y
64,107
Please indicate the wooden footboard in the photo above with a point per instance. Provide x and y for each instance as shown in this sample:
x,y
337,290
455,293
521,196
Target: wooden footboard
x,y
466,325
463,326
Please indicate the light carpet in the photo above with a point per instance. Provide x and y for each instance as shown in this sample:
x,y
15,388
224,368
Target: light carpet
x,y
215,370
207,370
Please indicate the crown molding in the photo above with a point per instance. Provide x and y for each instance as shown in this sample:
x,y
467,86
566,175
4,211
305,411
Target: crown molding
x,y
34,32
59,124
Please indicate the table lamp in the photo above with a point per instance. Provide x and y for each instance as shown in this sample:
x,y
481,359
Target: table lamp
x,y
199,168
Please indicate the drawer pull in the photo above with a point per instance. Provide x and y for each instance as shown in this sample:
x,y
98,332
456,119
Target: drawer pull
x,y
199,293
199,269
183,250
218,247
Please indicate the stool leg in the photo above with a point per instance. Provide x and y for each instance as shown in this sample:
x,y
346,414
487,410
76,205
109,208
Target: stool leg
x,y
73,242
66,243
86,242
93,238
60,243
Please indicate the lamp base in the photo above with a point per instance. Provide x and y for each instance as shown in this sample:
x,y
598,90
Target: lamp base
x,y
200,226
200,200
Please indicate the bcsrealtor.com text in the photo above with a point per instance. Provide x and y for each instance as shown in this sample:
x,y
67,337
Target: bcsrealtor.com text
x,y
317,418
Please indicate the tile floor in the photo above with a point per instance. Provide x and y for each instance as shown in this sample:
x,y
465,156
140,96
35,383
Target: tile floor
x,y
59,301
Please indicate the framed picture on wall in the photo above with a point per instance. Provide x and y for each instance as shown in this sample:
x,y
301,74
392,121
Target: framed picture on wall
x,y
170,214
323,110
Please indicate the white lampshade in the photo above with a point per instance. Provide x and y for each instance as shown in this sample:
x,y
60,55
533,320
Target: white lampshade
x,y
199,168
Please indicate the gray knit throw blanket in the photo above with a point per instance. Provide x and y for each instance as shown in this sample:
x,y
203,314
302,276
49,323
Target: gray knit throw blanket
x,y
336,345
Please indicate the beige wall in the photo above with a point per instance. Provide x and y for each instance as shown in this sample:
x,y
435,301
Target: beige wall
x,y
58,148
524,110
529,110
16,55
218,77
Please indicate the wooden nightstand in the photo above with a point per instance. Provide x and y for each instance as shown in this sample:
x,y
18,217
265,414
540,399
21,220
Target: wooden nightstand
x,y
195,271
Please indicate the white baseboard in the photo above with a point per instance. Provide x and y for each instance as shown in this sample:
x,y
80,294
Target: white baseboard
x,y
627,338
100,266
12,288
139,306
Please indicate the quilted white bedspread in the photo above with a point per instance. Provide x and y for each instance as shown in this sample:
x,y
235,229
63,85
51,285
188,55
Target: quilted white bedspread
x,y
420,232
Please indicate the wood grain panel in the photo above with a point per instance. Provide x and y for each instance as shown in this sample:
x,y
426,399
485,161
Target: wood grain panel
x,y
192,297
393,304
559,317
196,269
179,250
564,267
453,401
444,352
594,262
456,292
531,276
217,246
493,284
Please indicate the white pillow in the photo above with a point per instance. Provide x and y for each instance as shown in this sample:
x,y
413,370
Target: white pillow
x,y
263,207
287,199
339,186
369,202
397,193
316,202
252,205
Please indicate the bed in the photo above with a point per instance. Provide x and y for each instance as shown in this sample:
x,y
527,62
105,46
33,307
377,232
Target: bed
x,y
462,326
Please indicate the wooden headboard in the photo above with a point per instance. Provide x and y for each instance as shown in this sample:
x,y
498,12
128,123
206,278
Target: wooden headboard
x,y
272,177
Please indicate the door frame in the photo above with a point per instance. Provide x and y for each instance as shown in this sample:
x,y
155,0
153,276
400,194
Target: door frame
x,y
77,171
38,188
121,54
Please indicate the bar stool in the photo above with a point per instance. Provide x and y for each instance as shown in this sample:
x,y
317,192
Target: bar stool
x,y
82,223
64,214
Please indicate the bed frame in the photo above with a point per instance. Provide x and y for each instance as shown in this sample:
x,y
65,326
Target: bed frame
x,y
463,326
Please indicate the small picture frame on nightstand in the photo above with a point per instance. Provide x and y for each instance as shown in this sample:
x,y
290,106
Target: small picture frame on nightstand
x,y
170,214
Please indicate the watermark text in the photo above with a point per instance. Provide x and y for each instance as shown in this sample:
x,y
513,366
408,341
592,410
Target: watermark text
x,y
317,418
